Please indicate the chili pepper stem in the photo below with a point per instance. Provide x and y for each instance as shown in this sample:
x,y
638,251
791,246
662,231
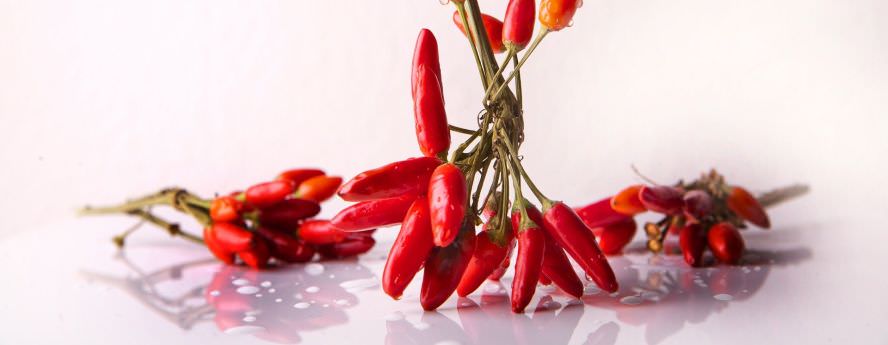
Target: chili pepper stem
x,y
518,85
499,72
461,8
539,38
164,197
533,188
462,130
171,228
485,51
779,195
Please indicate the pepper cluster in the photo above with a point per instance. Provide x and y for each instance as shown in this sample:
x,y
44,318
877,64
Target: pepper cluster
x,y
270,221
705,213
436,198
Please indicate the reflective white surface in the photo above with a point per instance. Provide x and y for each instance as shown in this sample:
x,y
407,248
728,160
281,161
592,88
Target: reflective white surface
x,y
790,289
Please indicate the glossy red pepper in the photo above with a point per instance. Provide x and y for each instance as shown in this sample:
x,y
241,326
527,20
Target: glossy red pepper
x,y
518,24
297,176
528,262
288,213
285,247
318,188
317,231
373,214
447,203
544,280
268,193
354,244
220,253
444,269
225,209
410,250
697,204
257,256
661,199
410,176
232,238
557,14
627,201
600,213
692,241
493,27
726,243
612,238
425,54
500,271
556,266
577,239
486,258
745,205
432,131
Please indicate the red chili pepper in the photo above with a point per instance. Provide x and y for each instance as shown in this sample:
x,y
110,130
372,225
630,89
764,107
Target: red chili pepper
x,y
726,243
500,271
285,247
557,14
288,213
692,241
318,231
600,213
257,256
232,238
556,266
425,54
319,188
447,203
410,250
661,199
627,201
493,27
612,238
432,131
742,203
268,193
518,23
297,176
577,239
486,258
528,263
225,209
396,179
354,244
544,280
444,269
697,204
220,253
373,214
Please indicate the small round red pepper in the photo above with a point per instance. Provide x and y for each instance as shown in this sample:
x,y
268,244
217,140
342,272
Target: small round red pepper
x,y
745,205
410,176
447,203
726,243
268,193
318,188
557,14
225,209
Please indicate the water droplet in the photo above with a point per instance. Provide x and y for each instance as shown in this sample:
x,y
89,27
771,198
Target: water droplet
x,y
301,305
325,305
240,282
278,300
631,300
272,290
312,289
258,295
314,268
615,294
579,3
265,284
492,288
249,318
332,276
396,316
571,23
247,290
421,326
341,302
353,286
723,297
444,2
215,293
247,329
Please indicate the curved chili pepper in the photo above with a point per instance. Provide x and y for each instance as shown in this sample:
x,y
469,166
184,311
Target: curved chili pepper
x,y
297,176
500,271
257,256
742,203
353,244
528,263
410,250
444,269
225,209
627,201
493,27
661,199
231,238
556,266
317,231
697,204
600,213
214,247
373,214
410,176
557,14
518,24
692,241
726,243
268,193
432,131
486,258
577,239
447,203
425,54
288,213
285,247
318,188
612,238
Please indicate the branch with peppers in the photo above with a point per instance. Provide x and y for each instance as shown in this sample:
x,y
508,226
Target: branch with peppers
x,y
441,197
270,222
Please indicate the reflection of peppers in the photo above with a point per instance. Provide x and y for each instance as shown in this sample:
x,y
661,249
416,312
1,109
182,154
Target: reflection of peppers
x,y
486,258
741,202
316,231
528,263
557,14
288,213
396,179
297,176
518,23
447,203
726,243
318,188
556,266
444,268
225,209
493,27
577,239
410,250
373,214
268,193
692,241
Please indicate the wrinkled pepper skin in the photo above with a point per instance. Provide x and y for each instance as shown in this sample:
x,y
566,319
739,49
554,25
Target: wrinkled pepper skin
x,y
726,243
407,177
577,239
557,14
492,26
444,269
288,213
268,193
410,250
447,203
692,241
556,266
528,262
745,205
373,214
432,131
518,24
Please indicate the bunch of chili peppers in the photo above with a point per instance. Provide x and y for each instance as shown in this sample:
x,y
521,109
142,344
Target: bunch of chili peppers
x,y
705,213
440,198
269,220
